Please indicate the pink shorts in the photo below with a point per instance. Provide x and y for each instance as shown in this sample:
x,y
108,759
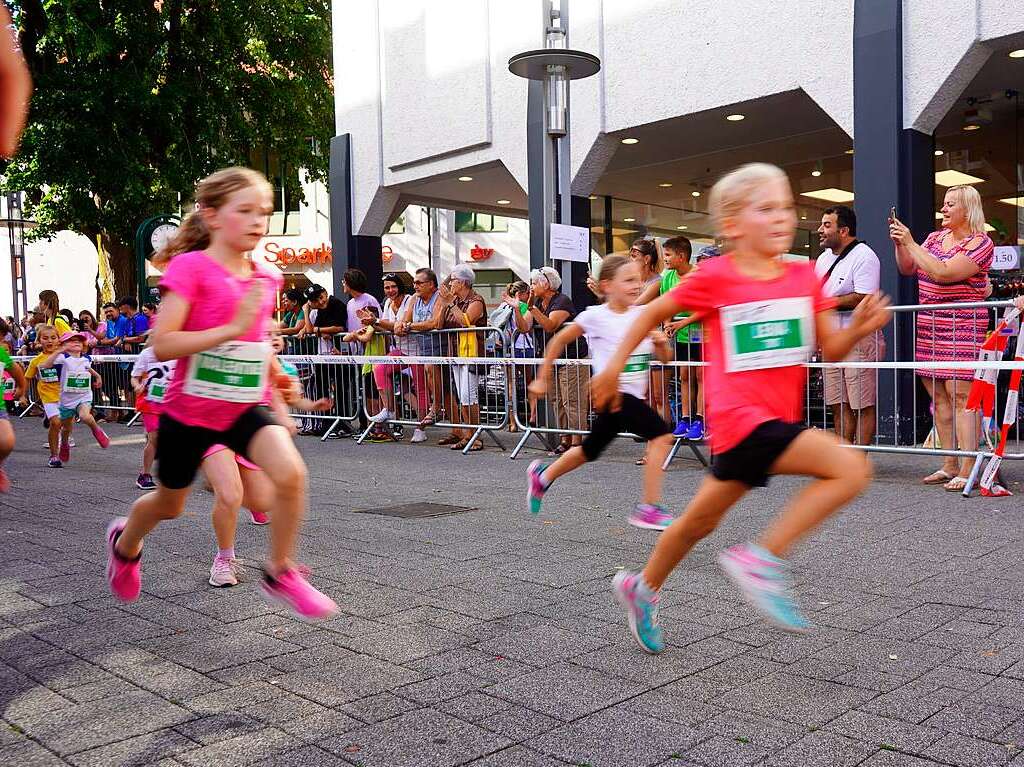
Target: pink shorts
x,y
151,422
245,464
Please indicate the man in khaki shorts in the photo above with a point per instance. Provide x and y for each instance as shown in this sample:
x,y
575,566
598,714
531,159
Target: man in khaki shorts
x,y
849,270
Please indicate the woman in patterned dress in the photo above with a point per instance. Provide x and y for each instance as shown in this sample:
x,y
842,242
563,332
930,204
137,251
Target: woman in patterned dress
x,y
951,266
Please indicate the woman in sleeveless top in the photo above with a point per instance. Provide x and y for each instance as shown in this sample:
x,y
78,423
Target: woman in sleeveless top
x,y
422,316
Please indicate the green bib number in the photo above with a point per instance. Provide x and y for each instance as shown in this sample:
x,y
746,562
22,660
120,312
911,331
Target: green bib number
x,y
232,372
49,375
77,383
767,334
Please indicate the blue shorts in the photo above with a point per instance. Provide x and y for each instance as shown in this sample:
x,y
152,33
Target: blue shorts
x,y
71,412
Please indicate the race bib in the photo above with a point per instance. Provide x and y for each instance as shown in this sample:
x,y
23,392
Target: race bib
x,y
636,368
157,391
8,384
767,334
77,384
49,375
231,372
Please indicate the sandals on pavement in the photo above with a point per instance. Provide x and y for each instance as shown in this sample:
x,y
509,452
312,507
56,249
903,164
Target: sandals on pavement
x,y
940,477
956,485
451,439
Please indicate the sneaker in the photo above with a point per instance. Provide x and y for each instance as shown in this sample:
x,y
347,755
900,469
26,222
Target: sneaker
x,y
54,463
381,417
418,435
641,611
650,516
536,486
123,575
292,590
696,431
101,438
65,450
145,482
681,428
223,573
762,579
259,517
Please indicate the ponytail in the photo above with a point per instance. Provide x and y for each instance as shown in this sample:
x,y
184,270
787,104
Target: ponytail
x,y
212,192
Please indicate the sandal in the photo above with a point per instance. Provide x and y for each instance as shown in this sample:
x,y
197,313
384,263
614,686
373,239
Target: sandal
x,y
460,445
956,485
451,439
429,419
562,448
939,477
641,461
478,445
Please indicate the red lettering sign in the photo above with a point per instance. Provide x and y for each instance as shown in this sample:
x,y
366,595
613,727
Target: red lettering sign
x,y
285,257
480,254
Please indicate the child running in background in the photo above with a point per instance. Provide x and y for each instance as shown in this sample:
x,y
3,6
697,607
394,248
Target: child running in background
x,y
237,482
150,379
605,326
216,303
761,317
76,375
48,386
13,373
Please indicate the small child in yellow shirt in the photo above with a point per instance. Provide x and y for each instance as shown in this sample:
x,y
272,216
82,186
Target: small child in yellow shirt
x,y
48,387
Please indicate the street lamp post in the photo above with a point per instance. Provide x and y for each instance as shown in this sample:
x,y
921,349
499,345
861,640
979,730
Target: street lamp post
x,y
555,65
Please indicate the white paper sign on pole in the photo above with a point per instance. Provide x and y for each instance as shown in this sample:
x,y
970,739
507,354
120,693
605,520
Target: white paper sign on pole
x,y
1006,257
570,243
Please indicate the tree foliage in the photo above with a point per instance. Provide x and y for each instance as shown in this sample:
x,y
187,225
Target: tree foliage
x,y
136,100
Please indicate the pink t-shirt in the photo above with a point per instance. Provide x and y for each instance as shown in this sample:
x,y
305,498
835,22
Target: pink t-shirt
x,y
766,322
213,294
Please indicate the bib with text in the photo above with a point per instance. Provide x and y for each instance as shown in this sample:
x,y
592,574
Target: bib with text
x,y
767,334
232,372
77,383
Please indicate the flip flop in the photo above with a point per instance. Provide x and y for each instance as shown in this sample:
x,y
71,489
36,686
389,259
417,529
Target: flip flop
x,y
955,485
939,477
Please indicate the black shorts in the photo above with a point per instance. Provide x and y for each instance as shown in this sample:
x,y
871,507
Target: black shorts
x,y
180,448
750,462
689,352
635,417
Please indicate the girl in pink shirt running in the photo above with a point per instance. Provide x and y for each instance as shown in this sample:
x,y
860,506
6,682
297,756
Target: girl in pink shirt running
x,y
213,321
763,317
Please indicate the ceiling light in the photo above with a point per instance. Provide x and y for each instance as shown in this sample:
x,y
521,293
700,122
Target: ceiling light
x,y
1017,54
803,218
972,126
593,197
665,184
1018,201
504,202
629,220
939,153
465,178
815,172
735,118
956,178
682,227
695,193
630,141
831,194
849,151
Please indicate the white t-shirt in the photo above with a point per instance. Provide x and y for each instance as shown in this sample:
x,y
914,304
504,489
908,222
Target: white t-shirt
x,y
858,272
605,330
156,375
75,380
403,343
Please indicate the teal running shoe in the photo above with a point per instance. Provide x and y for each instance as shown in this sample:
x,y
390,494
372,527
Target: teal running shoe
x,y
762,578
641,611
536,485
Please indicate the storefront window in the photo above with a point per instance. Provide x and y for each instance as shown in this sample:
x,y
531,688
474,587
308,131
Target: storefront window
x,y
471,221
285,180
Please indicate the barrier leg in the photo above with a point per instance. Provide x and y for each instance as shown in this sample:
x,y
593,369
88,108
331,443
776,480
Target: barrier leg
x,y
28,409
519,445
471,440
330,429
133,420
366,432
975,471
494,438
699,455
672,453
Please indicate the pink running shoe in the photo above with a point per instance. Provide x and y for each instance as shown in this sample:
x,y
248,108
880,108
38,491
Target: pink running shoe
x,y
101,437
65,450
292,590
123,575
650,516
259,517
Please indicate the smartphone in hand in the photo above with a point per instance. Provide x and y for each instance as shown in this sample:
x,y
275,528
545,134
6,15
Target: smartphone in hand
x,y
892,213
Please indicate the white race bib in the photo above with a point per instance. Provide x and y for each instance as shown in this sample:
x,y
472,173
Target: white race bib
x,y
49,375
157,391
637,368
231,372
77,384
767,334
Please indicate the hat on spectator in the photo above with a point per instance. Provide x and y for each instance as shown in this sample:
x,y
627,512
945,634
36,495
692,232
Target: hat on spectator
x,y
313,291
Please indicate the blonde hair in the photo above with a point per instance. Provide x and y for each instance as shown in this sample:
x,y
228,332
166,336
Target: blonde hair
x,y
212,192
42,327
968,197
610,266
733,190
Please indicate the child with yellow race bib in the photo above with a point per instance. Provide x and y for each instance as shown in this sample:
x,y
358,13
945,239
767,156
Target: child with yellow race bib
x,y
605,326
77,380
213,321
763,317
47,387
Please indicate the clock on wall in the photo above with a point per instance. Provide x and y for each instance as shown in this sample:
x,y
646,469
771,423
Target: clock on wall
x,y
152,234
161,235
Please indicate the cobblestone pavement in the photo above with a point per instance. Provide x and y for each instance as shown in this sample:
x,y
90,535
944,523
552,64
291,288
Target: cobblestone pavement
x,y
490,637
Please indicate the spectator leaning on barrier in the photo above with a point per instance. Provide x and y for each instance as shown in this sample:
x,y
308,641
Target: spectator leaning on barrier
x,y
850,271
951,266
135,326
355,285
325,317
548,310
292,320
465,308
518,296
423,316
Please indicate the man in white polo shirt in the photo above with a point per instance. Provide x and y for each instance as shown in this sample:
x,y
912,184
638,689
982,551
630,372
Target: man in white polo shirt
x,y
849,270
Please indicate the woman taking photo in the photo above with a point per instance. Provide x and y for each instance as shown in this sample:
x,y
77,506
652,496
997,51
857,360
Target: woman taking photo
x,y
951,266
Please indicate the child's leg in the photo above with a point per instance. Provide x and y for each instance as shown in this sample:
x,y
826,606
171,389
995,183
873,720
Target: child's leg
x,y
66,425
6,439
273,451
149,453
257,491
657,451
568,461
221,472
53,435
147,512
842,474
702,515
85,413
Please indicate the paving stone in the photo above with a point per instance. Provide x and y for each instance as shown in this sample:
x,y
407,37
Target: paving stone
x,y
546,642
242,749
320,725
630,662
977,719
795,699
440,688
720,678
473,706
764,732
136,752
308,756
614,738
887,732
213,729
518,723
29,754
894,759
723,752
377,708
970,752
424,738
348,680
822,749
565,691
401,644
518,756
